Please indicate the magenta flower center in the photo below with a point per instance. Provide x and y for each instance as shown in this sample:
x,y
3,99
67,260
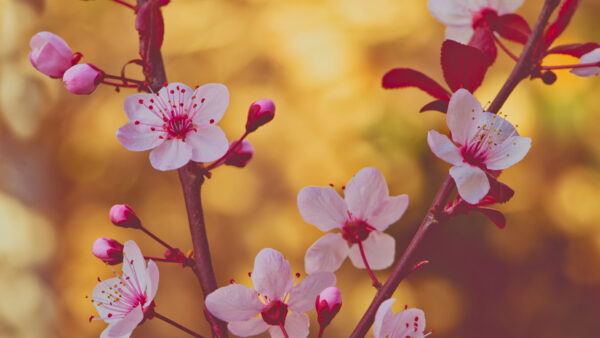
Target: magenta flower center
x,y
356,230
275,312
484,17
473,154
178,126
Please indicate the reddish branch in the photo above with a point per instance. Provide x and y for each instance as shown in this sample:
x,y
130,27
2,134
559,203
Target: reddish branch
x,y
520,72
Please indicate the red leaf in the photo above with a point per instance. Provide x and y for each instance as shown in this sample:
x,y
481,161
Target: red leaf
x,y
499,193
406,77
495,216
150,26
483,40
562,21
438,105
512,27
464,66
575,49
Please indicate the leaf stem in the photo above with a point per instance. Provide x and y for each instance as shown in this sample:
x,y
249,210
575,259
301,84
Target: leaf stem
x,y
177,325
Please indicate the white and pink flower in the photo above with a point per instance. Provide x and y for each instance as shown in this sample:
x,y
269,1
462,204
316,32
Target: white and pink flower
x,y
178,123
275,304
481,141
408,323
122,301
591,57
462,17
51,55
361,217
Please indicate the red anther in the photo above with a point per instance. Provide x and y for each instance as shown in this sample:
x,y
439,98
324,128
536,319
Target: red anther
x,y
165,84
99,280
211,121
90,319
331,185
250,274
297,274
405,306
150,107
137,122
117,89
231,281
146,84
183,91
172,91
343,187
109,315
141,101
152,128
202,101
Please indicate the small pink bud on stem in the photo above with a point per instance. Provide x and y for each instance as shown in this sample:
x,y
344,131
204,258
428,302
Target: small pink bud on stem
x,y
122,215
82,79
260,112
51,55
108,250
240,153
328,304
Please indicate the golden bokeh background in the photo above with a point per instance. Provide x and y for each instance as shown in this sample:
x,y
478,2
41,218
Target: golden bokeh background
x,y
321,61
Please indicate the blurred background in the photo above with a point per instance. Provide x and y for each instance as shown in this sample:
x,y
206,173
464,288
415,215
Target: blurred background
x,y
321,61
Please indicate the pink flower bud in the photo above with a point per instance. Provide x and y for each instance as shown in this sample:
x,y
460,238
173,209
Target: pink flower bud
x,y
260,112
241,155
50,54
328,304
108,250
82,79
121,215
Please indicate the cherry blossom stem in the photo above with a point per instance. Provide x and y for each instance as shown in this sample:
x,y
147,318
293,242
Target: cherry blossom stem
x,y
285,334
504,48
321,329
177,325
125,4
376,282
116,84
229,151
124,79
579,65
434,214
154,237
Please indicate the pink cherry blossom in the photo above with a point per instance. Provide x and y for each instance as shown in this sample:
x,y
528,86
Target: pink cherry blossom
x,y
50,54
461,16
122,301
122,215
408,323
480,141
108,250
361,217
591,57
82,79
275,304
328,304
178,123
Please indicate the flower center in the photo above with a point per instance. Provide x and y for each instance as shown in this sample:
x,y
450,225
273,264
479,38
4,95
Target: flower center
x,y
472,154
275,312
356,230
484,17
178,126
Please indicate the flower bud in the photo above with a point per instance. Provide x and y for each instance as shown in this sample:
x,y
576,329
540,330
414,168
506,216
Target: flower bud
x,y
241,155
108,250
260,112
50,54
328,304
121,215
548,77
82,79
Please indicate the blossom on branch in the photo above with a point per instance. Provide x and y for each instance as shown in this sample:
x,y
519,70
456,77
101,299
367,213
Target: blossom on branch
x,y
591,57
108,250
481,141
82,79
361,217
125,300
51,55
280,303
178,123
408,323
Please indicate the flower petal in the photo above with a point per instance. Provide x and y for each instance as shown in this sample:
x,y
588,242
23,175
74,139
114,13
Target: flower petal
x,y
365,192
410,323
379,249
591,57
233,303
124,327
250,327
138,137
507,6
385,320
153,277
508,153
472,183
303,295
134,266
99,296
208,144
463,113
296,326
172,154
137,111
389,211
216,101
322,207
173,95
272,275
450,12
462,34
326,254
443,148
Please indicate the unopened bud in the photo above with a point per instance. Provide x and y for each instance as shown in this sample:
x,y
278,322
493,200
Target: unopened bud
x,y
108,250
549,77
82,79
50,54
328,304
260,112
241,155
121,215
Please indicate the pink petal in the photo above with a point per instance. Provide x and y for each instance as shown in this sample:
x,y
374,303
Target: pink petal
x,y
137,111
56,41
138,137
410,323
462,34
450,12
365,192
234,303
303,295
463,107
326,254
591,57
322,207
99,296
272,275
472,183
172,154
124,327
296,326
379,249
153,277
250,327
443,148
216,101
390,210
134,266
501,129
406,77
508,6
208,144
508,153
385,320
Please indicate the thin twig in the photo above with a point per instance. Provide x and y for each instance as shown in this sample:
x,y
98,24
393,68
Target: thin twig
x,y
177,325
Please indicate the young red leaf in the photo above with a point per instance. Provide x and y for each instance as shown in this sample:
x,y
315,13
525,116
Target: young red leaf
x,y
437,105
483,40
512,27
150,25
499,193
562,21
464,66
495,216
575,49
406,77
